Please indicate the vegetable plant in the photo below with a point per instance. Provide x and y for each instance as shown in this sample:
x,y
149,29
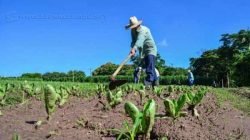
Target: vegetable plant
x,y
158,90
114,98
16,136
27,88
129,88
64,95
193,100
170,88
174,107
51,99
143,121
2,94
100,89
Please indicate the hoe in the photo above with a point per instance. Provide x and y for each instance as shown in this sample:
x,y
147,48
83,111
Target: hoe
x,y
116,83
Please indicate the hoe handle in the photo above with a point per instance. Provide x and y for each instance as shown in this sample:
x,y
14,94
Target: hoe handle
x,y
120,66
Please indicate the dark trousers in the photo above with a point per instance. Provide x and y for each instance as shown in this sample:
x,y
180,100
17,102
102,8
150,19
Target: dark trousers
x,y
150,68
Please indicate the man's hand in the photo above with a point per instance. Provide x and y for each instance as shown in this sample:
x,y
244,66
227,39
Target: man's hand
x,y
132,51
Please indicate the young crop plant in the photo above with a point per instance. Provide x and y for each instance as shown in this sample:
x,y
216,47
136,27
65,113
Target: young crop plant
x,y
170,88
143,121
38,90
75,90
2,94
16,136
174,107
64,95
27,88
9,87
114,98
51,99
100,89
129,88
179,88
158,90
193,99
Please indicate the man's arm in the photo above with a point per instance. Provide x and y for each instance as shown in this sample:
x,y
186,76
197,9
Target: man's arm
x,y
138,43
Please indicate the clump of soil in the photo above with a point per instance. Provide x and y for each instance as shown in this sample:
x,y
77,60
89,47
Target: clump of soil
x,y
89,119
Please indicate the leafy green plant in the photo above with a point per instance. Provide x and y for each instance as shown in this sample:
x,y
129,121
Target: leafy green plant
x,y
28,88
16,136
114,98
126,132
100,89
193,99
129,88
171,88
179,88
75,90
143,121
64,95
158,90
174,107
38,90
2,94
51,98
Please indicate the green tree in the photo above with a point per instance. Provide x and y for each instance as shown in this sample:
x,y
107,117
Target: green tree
x,y
223,64
109,68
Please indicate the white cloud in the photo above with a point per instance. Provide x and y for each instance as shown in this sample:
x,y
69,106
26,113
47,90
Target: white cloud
x,y
163,43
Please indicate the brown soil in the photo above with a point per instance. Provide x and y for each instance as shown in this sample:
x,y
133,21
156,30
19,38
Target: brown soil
x,y
85,119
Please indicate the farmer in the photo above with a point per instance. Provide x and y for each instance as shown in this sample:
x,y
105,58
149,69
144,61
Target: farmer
x,y
137,74
190,78
143,41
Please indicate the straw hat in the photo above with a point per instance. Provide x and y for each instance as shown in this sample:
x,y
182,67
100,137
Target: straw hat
x,y
133,22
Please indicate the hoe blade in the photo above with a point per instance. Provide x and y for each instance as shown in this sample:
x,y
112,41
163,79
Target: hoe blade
x,y
116,83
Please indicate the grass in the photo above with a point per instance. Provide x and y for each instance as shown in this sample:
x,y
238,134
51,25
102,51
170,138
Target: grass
x,y
239,102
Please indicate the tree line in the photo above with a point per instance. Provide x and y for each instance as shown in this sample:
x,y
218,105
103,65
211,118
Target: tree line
x,y
229,64
72,75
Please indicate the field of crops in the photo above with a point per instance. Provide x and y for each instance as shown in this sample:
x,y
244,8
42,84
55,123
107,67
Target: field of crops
x,y
57,110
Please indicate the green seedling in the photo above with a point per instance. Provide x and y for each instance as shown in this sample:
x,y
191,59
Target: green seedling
x,y
16,136
128,88
125,133
170,88
158,90
114,98
38,90
64,95
100,89
27,88
174,107
2,95
75,90
193,100
51,98
143,121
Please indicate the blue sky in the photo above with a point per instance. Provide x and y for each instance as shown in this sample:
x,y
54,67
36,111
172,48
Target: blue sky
x,y
59,35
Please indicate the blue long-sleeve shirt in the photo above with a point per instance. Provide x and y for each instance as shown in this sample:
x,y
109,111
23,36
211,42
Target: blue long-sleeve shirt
x,y
143,41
